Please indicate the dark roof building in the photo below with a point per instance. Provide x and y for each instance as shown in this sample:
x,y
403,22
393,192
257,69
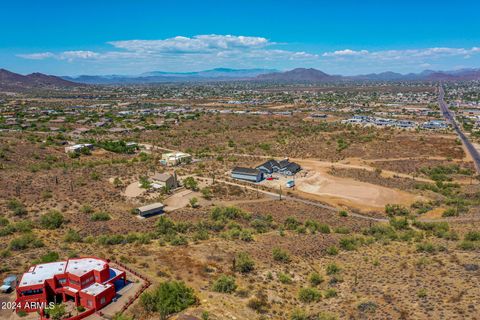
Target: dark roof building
x,y
247,174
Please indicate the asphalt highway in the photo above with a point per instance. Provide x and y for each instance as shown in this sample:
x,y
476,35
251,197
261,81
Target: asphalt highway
x,y
447,114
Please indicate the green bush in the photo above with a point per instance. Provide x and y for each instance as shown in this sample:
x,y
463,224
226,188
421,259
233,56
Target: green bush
x,y
315,279
100,216
332,250
17,207
52,220
24,242
284,278
308,295
243,263
280,255
72,236
472,236
332,268
168,298
396,210
224,284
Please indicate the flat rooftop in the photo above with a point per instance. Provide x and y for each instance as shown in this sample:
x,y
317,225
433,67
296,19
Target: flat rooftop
x,y
152,206
81,266
39,273
96,288
76,266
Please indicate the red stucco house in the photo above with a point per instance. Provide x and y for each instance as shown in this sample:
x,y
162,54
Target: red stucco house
x,y
89,282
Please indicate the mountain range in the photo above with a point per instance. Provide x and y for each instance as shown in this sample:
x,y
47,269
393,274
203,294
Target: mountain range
x,y
10,81
295,75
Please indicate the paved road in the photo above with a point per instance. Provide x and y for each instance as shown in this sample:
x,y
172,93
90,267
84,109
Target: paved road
x,y
447,114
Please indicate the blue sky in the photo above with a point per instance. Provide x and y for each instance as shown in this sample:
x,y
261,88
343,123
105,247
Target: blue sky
x,y
338,37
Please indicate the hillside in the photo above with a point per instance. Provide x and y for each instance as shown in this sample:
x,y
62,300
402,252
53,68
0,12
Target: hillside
x,y
11,81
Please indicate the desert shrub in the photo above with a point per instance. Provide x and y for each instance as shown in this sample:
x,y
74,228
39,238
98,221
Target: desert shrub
x,y
396,210
190,183
399,223
280,255
246,235
342,230
326,316
168,298
332,268
315,279
200,235
86,209
100,216
330,293
299,315
111,239
259,303
262,224
165,226
23,226
225,284
56,312
284,278
450,212
427,247
323,228
332,250
3,221
17,207
178,240
472,236
52,220
367,306
291,223
350,243
227,213
343,213
467,245
207,193
308,295
51,256
24,242
243,263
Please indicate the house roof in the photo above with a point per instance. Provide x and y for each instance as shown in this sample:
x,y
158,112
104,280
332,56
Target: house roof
x,y
247,171
152,206
283,163
96,288
269,164
292,167
77,266
162,177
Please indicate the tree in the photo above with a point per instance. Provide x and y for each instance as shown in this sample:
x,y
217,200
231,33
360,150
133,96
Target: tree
x,y
145,183
168,298
190,183
56,312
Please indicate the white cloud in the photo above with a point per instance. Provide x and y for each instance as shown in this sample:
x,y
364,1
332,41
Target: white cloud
x,y
346,52
207,50
196,44
37,56
406,54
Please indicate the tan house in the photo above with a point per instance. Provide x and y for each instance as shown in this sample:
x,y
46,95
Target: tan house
x,y
164,180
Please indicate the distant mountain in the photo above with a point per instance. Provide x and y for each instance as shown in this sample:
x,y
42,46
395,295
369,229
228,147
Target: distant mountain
x,y
298,75
313,75
13,81
218,74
